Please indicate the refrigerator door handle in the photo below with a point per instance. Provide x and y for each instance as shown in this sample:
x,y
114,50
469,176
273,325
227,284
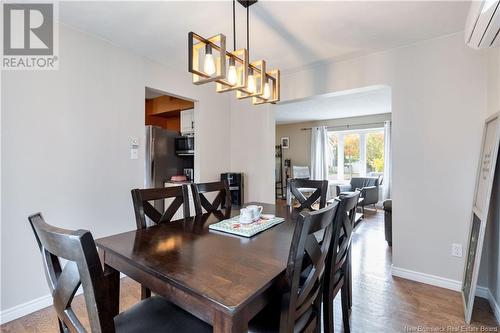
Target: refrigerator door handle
x,y
152,162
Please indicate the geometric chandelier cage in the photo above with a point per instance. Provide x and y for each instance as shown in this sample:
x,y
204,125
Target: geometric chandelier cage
x,y
210,61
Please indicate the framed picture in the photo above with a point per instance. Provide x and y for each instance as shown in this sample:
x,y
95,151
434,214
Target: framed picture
x,y
285,142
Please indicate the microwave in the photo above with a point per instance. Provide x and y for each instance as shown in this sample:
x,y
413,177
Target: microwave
x,y
184,145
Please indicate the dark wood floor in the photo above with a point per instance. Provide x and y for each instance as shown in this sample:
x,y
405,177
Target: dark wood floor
x,y
381,303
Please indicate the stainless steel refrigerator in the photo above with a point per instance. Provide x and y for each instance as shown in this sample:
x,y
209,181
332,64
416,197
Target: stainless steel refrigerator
x,y
161,160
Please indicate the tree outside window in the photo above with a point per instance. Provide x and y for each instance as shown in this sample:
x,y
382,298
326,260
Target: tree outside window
x,y
375,152
355,153
351,155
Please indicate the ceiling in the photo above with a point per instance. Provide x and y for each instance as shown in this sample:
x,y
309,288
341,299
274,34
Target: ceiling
x,y
287,35
355,103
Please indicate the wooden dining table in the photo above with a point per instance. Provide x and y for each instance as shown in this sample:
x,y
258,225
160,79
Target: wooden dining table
x,y
221,278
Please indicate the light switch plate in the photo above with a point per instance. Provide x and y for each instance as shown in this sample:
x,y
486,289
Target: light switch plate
x,y
134,154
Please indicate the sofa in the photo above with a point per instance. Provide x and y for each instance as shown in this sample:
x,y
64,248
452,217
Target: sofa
x,y
368,186
388,221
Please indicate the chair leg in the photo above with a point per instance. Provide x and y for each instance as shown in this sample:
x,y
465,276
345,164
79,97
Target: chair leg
x,y
145,292
317,306
348,278
345,308
328,309
62,326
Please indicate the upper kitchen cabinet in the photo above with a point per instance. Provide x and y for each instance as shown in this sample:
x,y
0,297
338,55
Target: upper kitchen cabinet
x,y
187,122
165,111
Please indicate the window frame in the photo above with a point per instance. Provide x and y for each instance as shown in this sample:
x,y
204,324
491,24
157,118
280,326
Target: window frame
x,y
362,150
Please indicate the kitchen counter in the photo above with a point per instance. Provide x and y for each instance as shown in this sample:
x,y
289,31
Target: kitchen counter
x,y
183,182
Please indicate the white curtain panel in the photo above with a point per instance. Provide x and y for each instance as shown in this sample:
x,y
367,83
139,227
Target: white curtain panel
x,y
319,153
387,182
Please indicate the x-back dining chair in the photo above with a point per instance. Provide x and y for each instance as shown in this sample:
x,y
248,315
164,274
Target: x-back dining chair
x,y
300,306
221,201
100,288
317,188
143,208
339,275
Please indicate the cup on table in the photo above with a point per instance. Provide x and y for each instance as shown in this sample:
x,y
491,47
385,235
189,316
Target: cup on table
x,y
256,211
246,216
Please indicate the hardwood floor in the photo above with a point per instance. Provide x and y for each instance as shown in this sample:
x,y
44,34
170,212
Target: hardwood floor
x,y
381,303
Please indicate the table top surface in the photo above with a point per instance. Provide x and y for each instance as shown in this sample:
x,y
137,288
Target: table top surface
x,y
223,268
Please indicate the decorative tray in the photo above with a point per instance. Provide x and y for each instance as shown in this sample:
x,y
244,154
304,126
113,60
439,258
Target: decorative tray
x,y
233,226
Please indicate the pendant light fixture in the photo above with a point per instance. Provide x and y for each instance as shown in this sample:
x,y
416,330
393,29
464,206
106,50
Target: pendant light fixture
x,y
251,78
248,79
232,75
209,63
238,62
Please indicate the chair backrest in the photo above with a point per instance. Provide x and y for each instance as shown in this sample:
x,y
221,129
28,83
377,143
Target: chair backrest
x,y
301,172
143,207
222,199
301,301
344,220
83,267
360,182
319,189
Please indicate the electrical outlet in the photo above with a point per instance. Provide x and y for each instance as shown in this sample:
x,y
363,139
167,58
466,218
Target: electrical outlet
x,y
456,250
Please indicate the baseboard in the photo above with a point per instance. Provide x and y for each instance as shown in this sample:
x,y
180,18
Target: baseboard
x,y
34,305
494,306
434,280
446,283
24,309
484,292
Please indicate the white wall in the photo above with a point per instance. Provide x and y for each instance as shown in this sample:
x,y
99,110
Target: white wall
x,y
252,148
438,109
65,148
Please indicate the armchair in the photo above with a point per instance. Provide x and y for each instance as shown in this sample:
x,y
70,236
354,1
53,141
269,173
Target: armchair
x,y
388,221
368,186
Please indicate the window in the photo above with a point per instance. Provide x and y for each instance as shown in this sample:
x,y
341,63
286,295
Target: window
x,y
356,153
352,158
333,154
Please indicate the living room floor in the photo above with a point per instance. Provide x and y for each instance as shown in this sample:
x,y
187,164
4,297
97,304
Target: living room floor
x,y
381,303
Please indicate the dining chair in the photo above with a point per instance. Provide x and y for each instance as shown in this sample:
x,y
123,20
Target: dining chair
x,y
338,275
100,288
221,201
317,188
299,308
143,208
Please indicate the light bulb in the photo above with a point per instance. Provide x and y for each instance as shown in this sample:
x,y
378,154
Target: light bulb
x,y
209,63
232,77
267,91
251,81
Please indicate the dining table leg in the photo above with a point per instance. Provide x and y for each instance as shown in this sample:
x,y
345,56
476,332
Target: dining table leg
x,y
224,323
112,287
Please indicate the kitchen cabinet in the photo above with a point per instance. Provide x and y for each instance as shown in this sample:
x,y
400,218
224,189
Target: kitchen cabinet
x,y
187,122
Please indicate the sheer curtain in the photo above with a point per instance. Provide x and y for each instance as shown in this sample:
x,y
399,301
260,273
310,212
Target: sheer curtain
x,y
387,182
319,153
